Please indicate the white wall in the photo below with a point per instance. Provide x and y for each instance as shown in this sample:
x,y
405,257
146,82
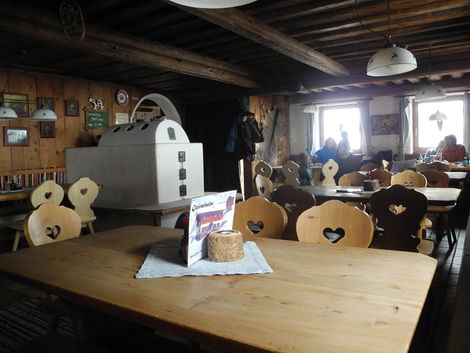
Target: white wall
x,y
378,106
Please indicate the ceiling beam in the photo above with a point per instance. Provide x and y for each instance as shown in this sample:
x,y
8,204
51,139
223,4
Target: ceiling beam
x,y
118,46
249,27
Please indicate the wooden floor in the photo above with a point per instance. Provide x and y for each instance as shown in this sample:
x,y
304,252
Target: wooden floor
x,y
434,330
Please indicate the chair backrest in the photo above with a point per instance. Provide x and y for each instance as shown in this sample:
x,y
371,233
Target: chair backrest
x,y
269,218
352,179
48,191
264,169
409,178
443,167
264,186
329,170
398,211
82,194
387,165
369,166
384,177
294,201
436,179
290,169
425,166
49,223
335,223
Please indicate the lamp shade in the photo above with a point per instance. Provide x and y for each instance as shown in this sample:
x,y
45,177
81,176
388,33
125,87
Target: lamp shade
x,y
6,113
311,108
391,61
212,4
430,92
43,114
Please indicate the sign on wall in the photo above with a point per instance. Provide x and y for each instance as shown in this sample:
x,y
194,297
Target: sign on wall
x,y
97,119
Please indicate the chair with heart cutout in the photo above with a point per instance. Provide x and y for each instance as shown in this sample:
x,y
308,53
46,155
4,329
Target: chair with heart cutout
x,y
290,169
264,186
329,170
335,223
260,218
294,201
383,176
398,212
48,192
82,194
409,178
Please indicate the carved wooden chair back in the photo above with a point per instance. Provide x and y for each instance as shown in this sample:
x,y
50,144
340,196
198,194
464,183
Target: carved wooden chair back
x,y
384,177
294,201
443,167
49,223
335,223
409,178
436,179
259,217
425,166
82,194
290,169
264,169
352,179
369,166
329,170
264,186
48,191
399,211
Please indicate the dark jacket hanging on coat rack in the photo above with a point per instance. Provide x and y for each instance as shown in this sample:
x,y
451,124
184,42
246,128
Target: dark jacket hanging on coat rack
x,y
244,135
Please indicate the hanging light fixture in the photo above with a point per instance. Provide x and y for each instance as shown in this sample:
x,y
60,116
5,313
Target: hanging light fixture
x,y
212,4
391,60
311,108
6,113
43,114
439,118
430,91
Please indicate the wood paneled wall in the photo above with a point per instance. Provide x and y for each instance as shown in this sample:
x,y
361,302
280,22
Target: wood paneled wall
x,y
70,131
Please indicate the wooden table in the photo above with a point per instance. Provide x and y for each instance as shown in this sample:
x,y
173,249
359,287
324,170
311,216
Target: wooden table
x,y
316,171
435,196
318,299
12,195
459,168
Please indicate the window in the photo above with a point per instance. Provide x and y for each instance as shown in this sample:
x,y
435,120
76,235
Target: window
x,y
430,127
335,119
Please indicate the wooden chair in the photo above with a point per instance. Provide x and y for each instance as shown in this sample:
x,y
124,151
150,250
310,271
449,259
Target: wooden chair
x,y
50,223
266,219
264,186
294,201
425,166
352,179
82,194
335,223
290,170
329,170
48,192
369,166
384,177
264,169
443,214
399,211
409,178
387,165
443,167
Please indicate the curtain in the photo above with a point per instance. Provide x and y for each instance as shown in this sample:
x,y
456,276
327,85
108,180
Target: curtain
x,y
405,142
366,145
310,121
466,116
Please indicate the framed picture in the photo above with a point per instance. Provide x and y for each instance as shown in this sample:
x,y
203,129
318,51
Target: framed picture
x,y
47,129
16,136
71,108
44,102
17,102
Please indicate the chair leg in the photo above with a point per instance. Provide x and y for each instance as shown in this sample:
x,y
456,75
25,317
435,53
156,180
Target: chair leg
x,y
90,228
53,322
449,229
16,240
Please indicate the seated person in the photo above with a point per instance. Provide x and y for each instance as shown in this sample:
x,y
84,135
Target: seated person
x,y
305,174
344,147
433,151
452,152
328,151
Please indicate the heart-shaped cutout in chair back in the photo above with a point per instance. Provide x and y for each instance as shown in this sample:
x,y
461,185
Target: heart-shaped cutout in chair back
x,y
255,227
53,232
262,189
396,209
83,191
48,195
333,236
290,207
330,167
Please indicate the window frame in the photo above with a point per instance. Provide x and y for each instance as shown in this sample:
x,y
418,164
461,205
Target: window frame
x,y
322,124
416,148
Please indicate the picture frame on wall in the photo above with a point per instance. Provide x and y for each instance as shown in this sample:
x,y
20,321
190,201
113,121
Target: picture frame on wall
x,y
46,102
72,108
15,136
47,129
17,102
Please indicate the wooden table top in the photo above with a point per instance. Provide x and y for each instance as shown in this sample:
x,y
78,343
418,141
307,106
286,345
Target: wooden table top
x,y
435,196
459,168
318,299
457,175
12,195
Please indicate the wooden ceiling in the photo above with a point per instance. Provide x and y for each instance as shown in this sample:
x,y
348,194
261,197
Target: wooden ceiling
x,y
314,49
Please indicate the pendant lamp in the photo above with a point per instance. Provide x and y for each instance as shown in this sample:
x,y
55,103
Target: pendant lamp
x,y
6,113
391,60
439,118
44,114
430,91
212,4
